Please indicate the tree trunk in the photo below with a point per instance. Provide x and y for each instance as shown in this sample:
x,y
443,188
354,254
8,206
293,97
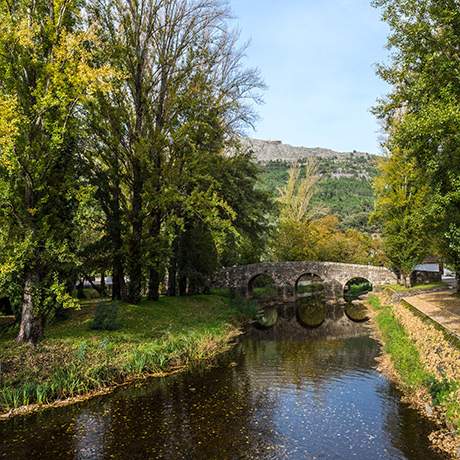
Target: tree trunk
x,y
182,285
31,327
407,282
135,243
154,274
154,285
118,278
193,285
172,277
103,292
80,289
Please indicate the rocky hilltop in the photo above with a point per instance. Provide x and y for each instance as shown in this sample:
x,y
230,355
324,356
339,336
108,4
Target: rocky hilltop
x,y
269,151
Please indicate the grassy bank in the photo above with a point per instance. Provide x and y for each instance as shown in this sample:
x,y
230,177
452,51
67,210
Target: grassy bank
x,y
427,367
418,287
397,343
151,338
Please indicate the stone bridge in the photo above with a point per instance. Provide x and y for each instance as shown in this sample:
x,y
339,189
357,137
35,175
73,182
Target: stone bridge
x,y
286,276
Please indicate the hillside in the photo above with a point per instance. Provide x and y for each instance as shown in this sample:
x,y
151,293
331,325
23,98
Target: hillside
x,y
345,186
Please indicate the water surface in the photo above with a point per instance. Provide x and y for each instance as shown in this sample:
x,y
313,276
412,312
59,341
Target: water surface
x,y
287,391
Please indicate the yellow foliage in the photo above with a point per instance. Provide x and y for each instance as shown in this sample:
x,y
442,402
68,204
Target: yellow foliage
x,y
9,130
295,197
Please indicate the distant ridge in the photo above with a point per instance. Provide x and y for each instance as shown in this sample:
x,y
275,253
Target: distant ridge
x,y
268,151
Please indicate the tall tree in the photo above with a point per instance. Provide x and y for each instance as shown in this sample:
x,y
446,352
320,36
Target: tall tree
x,y
401,197
183,91
296,213
422,112
47,69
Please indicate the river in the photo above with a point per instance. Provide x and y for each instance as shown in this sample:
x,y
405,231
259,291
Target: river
x,y
286,390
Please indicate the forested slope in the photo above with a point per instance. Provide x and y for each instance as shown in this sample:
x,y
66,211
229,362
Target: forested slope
x,y
345,187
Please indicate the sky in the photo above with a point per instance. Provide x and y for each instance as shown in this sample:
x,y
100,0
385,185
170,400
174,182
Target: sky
x,y
317,58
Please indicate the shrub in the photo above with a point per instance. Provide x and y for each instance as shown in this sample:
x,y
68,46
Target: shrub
x,y
106,316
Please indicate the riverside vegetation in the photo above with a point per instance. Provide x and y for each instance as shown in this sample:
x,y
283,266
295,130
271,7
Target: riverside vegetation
x,y
104,344
426,365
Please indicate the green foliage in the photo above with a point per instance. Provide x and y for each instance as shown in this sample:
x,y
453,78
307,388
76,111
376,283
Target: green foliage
x,y
106,316
406,359
263,287
441,391
344,188
357,289
247,308
401,198
399,346
419,287
113,122
304,232
238,179
48,75
421,114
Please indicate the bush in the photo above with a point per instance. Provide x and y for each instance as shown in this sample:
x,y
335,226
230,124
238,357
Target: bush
x,y
106,316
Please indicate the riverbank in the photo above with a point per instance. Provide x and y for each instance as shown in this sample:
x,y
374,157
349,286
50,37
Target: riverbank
x,y
154,338
425,364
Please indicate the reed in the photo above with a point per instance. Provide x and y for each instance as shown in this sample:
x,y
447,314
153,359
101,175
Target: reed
x,y
76,359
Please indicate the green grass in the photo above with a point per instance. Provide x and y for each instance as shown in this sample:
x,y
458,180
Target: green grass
x,y
418,287
74,359
265,292
356,290
399,346
406,361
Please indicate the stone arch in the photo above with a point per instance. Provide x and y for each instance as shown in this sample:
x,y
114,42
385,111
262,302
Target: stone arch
x,y
263,281
306,279
364,285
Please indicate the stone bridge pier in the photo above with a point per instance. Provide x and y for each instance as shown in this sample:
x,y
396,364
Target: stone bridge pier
x,y
286,275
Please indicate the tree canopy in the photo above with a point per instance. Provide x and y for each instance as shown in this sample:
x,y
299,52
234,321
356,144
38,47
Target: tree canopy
x,y
116,123
421,113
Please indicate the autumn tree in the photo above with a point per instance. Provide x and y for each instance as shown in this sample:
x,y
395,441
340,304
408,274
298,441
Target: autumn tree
x,y
292,240
306,232
48,72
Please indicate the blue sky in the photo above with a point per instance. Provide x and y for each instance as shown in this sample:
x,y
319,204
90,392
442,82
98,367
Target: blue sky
x,y
318,59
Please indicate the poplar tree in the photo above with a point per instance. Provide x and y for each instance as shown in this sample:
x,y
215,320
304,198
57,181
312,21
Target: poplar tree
x,y
401,197
47,73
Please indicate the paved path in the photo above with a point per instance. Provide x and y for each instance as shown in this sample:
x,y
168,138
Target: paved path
x,y
442,307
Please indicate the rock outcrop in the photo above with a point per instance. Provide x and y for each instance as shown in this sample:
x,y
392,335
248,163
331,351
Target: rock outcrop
x,y
268,151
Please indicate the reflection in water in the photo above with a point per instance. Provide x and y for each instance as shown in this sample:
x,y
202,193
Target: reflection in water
x,y
357,312
283,392
311,312
90,429
268,317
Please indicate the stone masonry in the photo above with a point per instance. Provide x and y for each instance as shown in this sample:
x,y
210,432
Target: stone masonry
x,y
285,276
